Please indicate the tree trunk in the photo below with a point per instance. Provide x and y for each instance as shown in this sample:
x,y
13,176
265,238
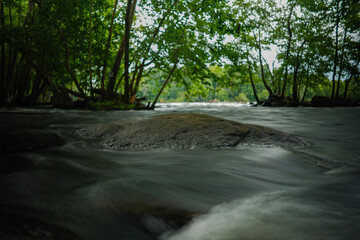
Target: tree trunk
x,y
115,69
12,56
138,78
35,91
295,85
68,68
287,52
164,85
295,97
268,67
140,72
145,57
252,82
305,91
10,16
306,84
18,75
127,43
336,55
28,14
2,59
341,64
133,79
103,73
262,71
118,83
22,86
90,53
347,83
250,71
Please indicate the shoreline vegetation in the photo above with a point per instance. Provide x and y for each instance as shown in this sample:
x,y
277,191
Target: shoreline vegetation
x,y
65,102
113,55
275,101
318,101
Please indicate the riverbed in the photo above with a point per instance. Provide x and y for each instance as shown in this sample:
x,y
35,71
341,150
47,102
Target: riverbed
x,y
249,193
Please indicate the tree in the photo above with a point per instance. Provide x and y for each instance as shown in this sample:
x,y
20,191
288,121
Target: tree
x,y
102,52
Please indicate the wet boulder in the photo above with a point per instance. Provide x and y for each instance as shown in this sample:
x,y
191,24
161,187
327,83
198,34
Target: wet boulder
x,y
353,102
346,102
276,101
341,102
185,131
62,100
25,141
320,101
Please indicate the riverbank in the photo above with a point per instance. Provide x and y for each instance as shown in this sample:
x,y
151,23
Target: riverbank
x,y
65,102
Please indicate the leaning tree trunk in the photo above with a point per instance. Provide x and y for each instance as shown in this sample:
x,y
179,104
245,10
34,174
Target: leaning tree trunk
x,y
164,85
252,81
347,83
262,71
305,91
134,87
250,72
271,73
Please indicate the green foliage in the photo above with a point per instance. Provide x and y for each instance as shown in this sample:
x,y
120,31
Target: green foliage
x,y
213,46
242,97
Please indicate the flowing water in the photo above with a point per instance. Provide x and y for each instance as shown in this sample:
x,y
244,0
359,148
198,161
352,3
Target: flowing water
x,y
253,193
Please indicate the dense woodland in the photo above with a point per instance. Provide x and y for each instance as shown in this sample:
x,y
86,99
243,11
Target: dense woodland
x,y
111,52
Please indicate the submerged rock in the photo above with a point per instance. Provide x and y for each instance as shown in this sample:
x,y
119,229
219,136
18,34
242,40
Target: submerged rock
x,y
14,226
186,131
158,219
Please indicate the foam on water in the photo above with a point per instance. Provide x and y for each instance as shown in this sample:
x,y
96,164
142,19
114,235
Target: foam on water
x,y
270,216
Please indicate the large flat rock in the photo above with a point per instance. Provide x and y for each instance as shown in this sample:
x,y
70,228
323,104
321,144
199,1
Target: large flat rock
x,y
186,131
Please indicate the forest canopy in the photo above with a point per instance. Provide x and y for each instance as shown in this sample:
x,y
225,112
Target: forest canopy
x,y
101,51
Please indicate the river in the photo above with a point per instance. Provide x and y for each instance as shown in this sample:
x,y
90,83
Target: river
x,y
244,194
